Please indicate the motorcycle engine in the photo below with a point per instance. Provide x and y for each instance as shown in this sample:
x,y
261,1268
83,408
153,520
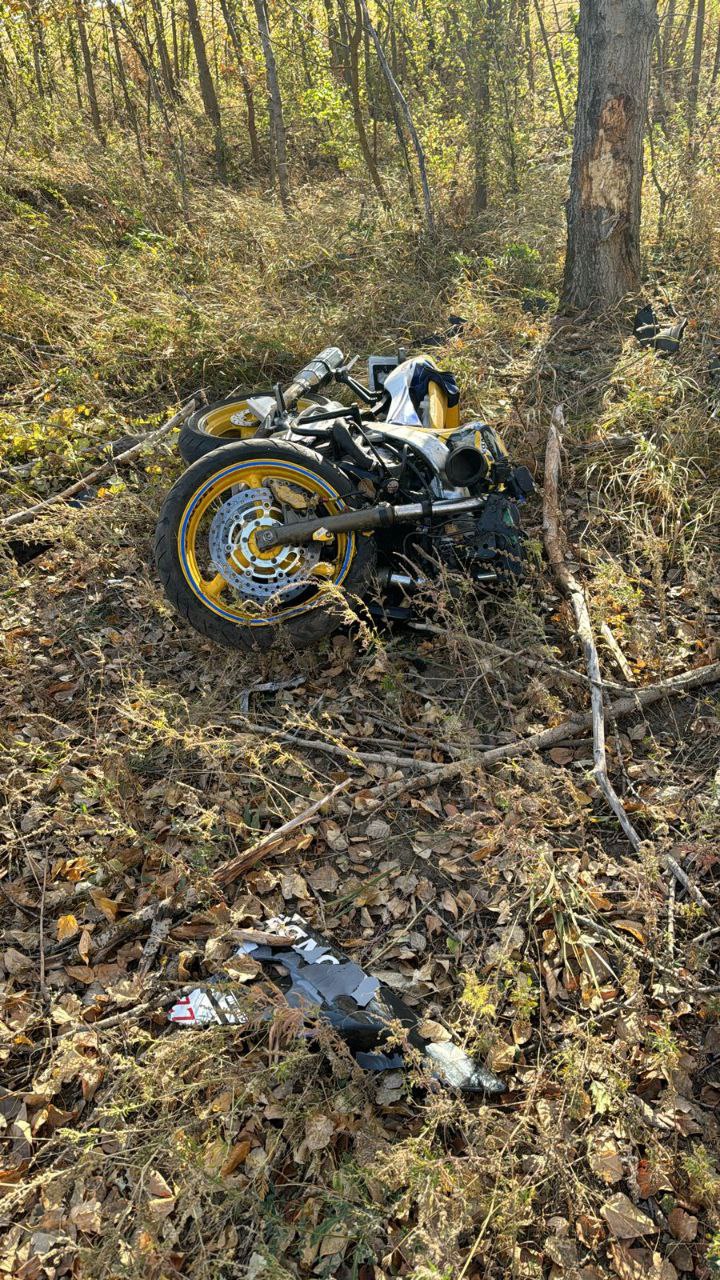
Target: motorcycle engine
x,y
490,540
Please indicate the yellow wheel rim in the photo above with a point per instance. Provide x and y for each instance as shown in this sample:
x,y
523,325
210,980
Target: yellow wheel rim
x,y
219,422
222,563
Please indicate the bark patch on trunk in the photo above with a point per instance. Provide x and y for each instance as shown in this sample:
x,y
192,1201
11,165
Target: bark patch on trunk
x,y
606,174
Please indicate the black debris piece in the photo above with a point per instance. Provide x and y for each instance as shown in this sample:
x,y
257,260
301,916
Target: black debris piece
x,y
650,332
314,974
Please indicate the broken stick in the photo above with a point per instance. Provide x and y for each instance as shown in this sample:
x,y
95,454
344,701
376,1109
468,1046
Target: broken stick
x,y
231,870
24,517
570,586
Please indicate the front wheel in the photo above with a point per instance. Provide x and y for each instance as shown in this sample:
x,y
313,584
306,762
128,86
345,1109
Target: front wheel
x,y
217,577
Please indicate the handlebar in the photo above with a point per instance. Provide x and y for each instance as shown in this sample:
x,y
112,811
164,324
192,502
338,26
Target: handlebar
x,y
317,373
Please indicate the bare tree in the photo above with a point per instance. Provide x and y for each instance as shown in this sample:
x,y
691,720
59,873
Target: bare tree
x,y
696,62
89,73
277,123
603,212
397,93
207,87
236,42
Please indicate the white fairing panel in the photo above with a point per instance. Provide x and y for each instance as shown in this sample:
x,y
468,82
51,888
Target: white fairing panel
x,y
397,383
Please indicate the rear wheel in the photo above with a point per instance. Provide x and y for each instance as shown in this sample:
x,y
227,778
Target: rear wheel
x,y
214,425
217,577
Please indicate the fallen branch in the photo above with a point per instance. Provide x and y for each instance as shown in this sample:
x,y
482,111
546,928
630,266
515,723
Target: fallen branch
x,y
231,870
527,659
347,754
388,792
574,725
571,588
620,660
24,517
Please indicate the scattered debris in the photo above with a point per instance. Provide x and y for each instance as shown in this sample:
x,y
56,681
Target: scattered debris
x,y
315,976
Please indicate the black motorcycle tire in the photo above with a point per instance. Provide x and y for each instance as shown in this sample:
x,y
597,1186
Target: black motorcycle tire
x,y
301,632
209,429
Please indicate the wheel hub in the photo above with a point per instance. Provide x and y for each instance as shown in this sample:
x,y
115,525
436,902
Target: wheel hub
x,y
235,554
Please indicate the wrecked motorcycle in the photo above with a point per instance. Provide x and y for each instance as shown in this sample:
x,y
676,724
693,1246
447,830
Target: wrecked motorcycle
x,y
316,503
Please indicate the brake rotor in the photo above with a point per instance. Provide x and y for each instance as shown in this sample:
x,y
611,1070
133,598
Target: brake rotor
x,y
254,573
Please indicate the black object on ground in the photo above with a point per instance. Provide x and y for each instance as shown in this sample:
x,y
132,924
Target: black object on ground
x,y
650,332
316,976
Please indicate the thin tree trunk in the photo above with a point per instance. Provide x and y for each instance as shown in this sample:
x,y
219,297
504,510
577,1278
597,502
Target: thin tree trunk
x,y
89,74
75,63
6,82
667,31
397,93
716,63
176,143
207,87
529,53
603,213
36,46
244,80
127,98
277,123
696,62
551,65
679,67
352,80
166,70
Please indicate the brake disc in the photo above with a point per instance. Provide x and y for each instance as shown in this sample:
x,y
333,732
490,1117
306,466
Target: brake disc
x,y
257,574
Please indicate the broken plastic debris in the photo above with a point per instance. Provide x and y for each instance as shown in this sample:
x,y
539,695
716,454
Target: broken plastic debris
x,y
314,975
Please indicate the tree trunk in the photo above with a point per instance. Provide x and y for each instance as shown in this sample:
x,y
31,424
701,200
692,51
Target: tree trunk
x,y
72,46
696,62
37,44
551,64
397,93
244,80
89,74
207,87
166,70
127,97
277,123
603,213
352,82
6,81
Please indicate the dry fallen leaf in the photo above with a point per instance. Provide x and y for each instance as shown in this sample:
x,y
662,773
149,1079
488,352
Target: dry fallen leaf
x,y
236,1156
86,1216
67,927
16,962
625,1221
319,1132
606,1161
683,1226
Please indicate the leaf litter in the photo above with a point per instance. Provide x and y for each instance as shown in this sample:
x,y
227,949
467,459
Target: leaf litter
x,y
501,903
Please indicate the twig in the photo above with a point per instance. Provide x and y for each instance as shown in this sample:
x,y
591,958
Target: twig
x,y
617,653
231,870
671,917
527,659
348,754
570,586
623,706
24,517
624,944
41,926
704,937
